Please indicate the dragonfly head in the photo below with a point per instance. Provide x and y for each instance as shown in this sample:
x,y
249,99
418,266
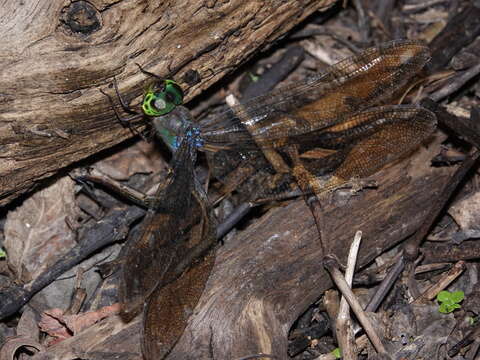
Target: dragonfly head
x,y
161,98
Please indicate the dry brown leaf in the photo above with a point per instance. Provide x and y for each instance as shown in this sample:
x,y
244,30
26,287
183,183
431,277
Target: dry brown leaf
x,y
27,326
12,345
108,338
52,324
61,326
139,158
78,322
37,232
466,212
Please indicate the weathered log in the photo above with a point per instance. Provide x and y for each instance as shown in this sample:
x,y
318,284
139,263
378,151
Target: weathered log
x,y
270,273
55,57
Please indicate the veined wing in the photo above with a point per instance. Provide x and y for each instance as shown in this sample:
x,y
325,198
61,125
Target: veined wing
x,y
170,305
351,85
356,148
152,259
387,133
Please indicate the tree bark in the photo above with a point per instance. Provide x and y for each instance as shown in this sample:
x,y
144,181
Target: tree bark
x,y
55,57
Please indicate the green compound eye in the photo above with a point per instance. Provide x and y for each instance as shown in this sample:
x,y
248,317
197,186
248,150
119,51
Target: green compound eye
x,y
161,100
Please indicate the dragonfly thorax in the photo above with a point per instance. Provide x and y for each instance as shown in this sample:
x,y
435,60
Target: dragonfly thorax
x,y
175,126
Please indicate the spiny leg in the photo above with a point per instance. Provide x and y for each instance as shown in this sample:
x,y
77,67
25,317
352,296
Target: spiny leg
x,y
149,73
307,184
124,121
124,105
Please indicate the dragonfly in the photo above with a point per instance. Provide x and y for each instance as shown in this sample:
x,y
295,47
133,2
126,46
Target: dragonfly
x,y
341,114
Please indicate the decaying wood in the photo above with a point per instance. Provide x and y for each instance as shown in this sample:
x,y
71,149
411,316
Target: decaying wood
x,y
272,272
265,278
56,56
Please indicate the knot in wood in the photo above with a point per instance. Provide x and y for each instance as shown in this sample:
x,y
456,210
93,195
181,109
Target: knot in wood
x,y
81,18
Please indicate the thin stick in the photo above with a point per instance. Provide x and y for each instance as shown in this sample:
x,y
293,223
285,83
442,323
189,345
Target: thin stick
x,y
331,264
386,285
456,83
344,331
446,280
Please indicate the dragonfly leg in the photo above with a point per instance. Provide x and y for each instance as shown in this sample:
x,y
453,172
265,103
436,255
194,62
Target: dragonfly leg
x,y
149,73
127,122
124,105
315,207
309,184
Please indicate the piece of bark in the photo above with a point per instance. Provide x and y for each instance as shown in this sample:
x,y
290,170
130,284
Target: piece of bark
x,y
56,57
460,31
110,338
269,274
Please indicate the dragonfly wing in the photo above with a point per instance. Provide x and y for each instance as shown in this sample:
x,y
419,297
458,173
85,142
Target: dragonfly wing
x,y
380,135
349,86
169,308
151,259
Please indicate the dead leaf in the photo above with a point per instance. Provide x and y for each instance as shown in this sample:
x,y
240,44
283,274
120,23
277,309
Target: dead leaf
x,y
27,326
52,324
466,212
12,345
37,232
139,158
60,326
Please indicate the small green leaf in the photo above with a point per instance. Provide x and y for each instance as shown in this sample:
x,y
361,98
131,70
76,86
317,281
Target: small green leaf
x,y
443,296
443,308
3,254
455,306
457,296
336,352
449,302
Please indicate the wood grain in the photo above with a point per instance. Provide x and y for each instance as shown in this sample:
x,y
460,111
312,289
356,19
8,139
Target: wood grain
x,y
55,56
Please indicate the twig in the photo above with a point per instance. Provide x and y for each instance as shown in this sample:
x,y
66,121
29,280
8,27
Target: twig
x,y
410,8
318,30
447,252
232,219
471,336
112,228
343,329
412,245
410,277
361,343
368,278
363,23
331,301
472,353
456,83
331,264
446,280
257,356
386,285
467,129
